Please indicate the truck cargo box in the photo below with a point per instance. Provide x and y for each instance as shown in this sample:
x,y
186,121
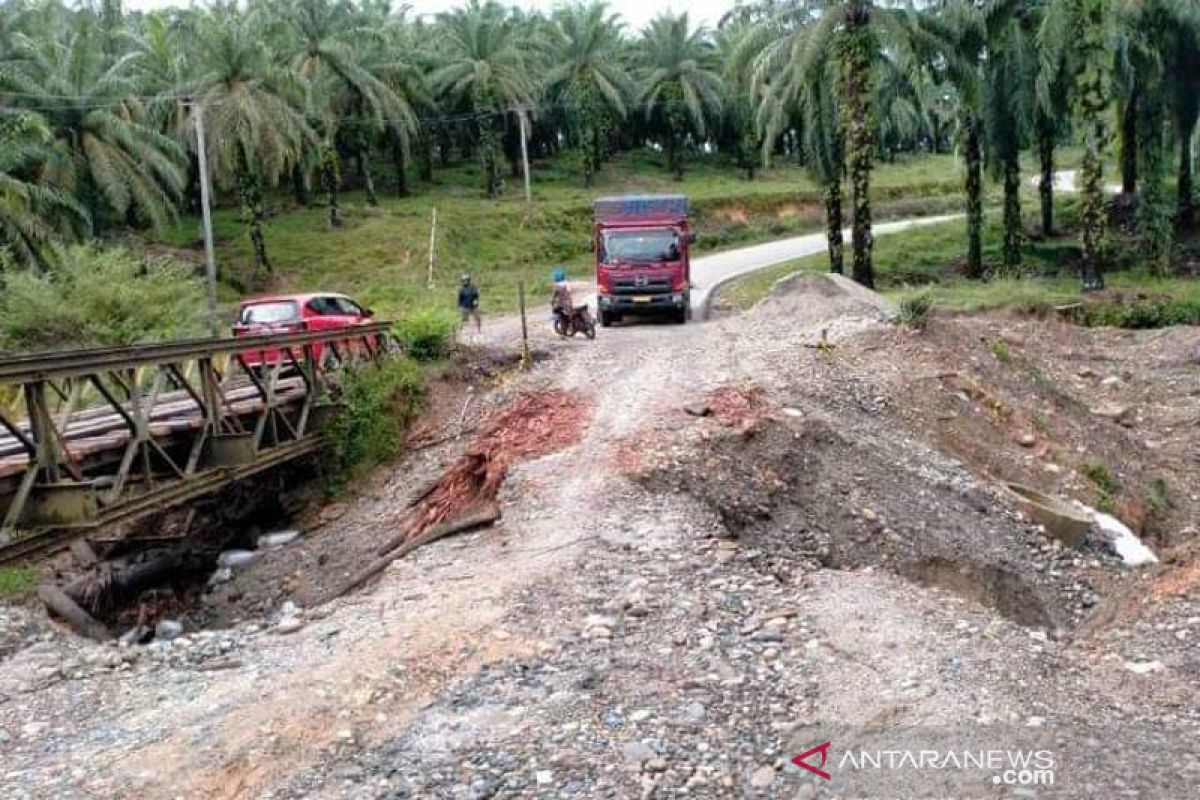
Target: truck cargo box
x,y
641,206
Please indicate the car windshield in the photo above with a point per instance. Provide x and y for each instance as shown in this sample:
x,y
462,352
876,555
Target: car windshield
x,y
640,246
258,313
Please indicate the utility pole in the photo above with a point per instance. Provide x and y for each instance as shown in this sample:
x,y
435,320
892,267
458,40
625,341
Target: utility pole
x,y
521,119
210,261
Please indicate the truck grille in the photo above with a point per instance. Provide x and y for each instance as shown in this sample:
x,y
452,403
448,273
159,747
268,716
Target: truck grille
x,y
644,286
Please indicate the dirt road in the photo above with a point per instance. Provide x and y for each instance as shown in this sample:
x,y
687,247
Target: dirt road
x,y
675,606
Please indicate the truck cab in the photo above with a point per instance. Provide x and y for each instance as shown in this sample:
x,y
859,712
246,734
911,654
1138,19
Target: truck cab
x,y
642,245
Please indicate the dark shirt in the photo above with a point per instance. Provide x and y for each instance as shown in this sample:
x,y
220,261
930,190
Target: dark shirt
x,y
468,297
562,298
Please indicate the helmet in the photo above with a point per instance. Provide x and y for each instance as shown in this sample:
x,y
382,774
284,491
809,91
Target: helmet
x,y
560,274
465,279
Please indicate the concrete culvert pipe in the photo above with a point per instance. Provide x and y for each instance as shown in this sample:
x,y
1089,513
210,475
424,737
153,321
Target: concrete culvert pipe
x,y
1060,519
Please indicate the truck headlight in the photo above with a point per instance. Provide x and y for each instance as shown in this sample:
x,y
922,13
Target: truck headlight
x,y
677,297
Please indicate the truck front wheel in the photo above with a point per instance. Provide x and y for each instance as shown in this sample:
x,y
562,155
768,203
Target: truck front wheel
x,y
605,318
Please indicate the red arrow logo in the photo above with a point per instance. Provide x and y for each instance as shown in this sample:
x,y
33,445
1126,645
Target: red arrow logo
x,y
823,749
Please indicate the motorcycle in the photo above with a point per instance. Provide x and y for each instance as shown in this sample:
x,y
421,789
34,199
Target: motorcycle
x,y
578,321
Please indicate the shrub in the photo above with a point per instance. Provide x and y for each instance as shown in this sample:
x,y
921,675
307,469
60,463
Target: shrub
x,y
16,581
427,335
1107,485
1000,350
1144,313
100,297
915,309
1156,496
379,400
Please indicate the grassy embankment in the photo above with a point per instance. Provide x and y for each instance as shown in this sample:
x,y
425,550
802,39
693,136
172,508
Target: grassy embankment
x,y
381,255
927,260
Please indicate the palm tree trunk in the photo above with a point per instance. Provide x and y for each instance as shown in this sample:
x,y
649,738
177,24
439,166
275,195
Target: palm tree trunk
x,y
833,223
856,73
1129,144
1045,145
674,157
1092,87
676,127
1012,211
597,154
487,158
250,194
588,153
444,145
749,148
1092,212
400,162
425,148
1154,210
364,168
1185,202
973,155
300,187
331,179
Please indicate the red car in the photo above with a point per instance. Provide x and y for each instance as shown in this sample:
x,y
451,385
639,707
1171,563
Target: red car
x,y
289,313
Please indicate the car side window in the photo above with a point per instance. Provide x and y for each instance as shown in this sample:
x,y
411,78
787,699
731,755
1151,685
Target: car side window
x,y
348,307
324,306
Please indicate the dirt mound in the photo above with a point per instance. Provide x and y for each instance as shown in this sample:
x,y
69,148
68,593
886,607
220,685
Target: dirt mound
x,y
806,487
809,299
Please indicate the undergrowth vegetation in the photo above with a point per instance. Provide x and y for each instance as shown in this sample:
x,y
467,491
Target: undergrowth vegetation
x,y
16,582
915,309
99,297
378,402
428,334
1107,485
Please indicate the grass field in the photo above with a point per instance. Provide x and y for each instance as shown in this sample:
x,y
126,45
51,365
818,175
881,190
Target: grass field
x,y
381,255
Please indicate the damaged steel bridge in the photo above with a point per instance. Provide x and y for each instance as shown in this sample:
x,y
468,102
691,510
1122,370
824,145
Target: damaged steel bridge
x,y
98,436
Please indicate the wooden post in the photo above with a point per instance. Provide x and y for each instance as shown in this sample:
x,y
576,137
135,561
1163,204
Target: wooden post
x,y
524,325
432,243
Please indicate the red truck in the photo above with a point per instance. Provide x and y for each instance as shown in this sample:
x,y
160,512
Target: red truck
x,y
641,244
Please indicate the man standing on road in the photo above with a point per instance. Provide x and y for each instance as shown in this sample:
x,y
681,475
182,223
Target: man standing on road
x,y
468,302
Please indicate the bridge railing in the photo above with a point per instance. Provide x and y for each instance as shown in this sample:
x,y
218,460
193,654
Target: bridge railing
x,y
104,434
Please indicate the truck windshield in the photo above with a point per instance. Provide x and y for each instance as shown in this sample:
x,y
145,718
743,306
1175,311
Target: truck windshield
x,y
640,246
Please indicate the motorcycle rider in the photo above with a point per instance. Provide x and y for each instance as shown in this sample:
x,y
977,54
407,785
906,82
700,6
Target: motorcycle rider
x,y
561,304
